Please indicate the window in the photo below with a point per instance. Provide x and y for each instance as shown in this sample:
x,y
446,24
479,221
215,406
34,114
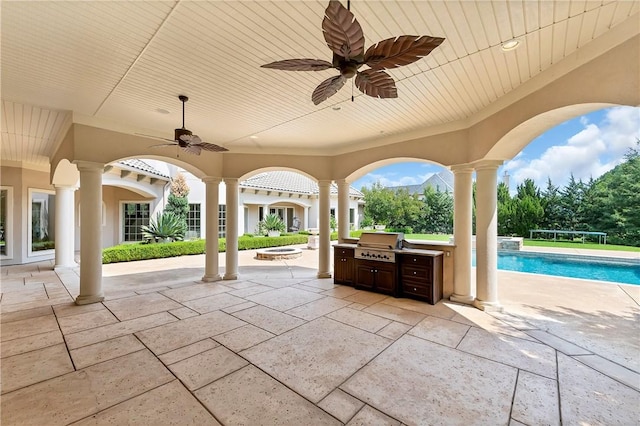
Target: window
x,y
6,225
352,216
260,214
42,229
134,215
333,212
222,221
193,220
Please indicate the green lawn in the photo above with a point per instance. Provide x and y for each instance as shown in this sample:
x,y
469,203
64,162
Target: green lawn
x,y
578,245
536,243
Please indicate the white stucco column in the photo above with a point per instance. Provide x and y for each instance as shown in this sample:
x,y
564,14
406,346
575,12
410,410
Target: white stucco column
x,y
65,227
324,255
306,218
265,211
90,233
211,269
343,210
487,235
462,233
231,257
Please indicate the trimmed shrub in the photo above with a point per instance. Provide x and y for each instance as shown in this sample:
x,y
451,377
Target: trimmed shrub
x,y
141,251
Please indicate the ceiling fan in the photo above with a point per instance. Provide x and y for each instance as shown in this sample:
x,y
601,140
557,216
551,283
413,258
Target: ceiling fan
x,y
186,140
344,36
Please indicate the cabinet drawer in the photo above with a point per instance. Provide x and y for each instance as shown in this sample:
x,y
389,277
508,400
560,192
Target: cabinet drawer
x,y
416,288
416,272
344,252
409,259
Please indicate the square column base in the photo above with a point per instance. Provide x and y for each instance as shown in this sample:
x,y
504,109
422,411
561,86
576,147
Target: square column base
x,y
211,278
324,275
488,306
230,277
467,300
87,300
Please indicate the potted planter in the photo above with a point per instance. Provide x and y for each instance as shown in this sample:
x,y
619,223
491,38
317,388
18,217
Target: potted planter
x,y
273,225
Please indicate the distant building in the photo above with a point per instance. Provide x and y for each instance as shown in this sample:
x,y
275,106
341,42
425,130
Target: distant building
x,y
441,182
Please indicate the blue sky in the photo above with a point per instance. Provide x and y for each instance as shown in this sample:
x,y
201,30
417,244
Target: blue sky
x,y
587,146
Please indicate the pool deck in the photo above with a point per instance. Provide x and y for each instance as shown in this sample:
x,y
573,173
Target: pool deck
x,y
279,346
585,252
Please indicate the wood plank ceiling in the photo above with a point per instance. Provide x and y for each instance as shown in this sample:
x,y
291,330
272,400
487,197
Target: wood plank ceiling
x,y
121,64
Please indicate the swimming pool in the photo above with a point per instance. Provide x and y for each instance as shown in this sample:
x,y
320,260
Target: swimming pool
x,y
616,270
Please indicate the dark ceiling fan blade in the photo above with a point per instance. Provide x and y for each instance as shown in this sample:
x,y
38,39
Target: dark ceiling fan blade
x,y
209,147
399,51
161,145
192,139
376,83
342,32
299,65
327,88
155,137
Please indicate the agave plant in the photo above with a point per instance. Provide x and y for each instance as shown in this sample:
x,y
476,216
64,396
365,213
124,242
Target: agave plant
x,y
272,222
165,226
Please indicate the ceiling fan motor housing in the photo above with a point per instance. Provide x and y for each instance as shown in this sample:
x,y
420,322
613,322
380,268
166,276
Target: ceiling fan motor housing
x,y
181,132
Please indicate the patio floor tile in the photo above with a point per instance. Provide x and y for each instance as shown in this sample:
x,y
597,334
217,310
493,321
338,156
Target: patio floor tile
x,y
169,404
172,336
533,357
318,308
79,394
438,330
341,405
104,351
395,314
269,319
359,319
536,400
432,379
250,397
32,367
196,291
284,298
243,337
589,397
140,306
31,343
370,416
206,367
305,359
188,351
28,327
75,323
213,303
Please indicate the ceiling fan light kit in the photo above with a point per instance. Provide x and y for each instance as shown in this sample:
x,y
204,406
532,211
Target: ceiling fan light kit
x,y
344,36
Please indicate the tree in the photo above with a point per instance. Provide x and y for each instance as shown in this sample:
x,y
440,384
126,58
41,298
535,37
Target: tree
x,y
506,213
378,203
405,211
527,211
178,202
552,218
614,202
437,212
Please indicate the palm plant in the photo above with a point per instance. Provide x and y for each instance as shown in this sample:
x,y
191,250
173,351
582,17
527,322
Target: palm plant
x,y
165,226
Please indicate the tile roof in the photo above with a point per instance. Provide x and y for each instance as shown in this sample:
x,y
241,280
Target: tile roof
x,y
441,181
286,181
141,165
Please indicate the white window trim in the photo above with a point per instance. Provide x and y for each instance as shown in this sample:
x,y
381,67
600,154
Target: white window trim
x,y
30,252
8,232
121,217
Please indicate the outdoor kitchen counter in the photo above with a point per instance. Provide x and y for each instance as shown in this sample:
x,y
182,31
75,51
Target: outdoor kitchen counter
x,y
419,252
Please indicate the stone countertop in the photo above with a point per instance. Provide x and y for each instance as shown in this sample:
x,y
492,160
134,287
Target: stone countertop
x,y
345,245
420,252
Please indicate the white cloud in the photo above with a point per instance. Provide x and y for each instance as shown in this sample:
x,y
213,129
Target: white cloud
x,y
591,152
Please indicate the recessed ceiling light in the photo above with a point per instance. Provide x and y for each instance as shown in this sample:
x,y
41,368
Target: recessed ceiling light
x,y
336,108
162,111
510,45
253,137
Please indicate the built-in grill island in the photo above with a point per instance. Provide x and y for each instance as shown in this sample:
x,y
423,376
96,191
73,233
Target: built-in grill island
x,y
384,262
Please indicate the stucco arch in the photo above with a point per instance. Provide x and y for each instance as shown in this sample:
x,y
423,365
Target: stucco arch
x,y
64,174
357,174
520,136
275,169
139,188
102,146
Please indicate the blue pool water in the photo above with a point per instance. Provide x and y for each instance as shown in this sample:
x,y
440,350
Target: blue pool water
x,y
591,268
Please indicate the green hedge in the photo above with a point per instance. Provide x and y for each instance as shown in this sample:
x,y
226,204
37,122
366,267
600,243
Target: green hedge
x,y
142,251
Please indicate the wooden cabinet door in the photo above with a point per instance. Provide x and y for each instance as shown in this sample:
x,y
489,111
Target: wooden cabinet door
x,y
365,275
386,279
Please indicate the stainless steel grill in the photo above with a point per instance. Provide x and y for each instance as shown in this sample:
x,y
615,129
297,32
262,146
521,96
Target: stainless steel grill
x,y
379,246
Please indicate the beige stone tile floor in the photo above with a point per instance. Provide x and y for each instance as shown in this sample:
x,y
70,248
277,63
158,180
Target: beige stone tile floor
x,y
279,346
